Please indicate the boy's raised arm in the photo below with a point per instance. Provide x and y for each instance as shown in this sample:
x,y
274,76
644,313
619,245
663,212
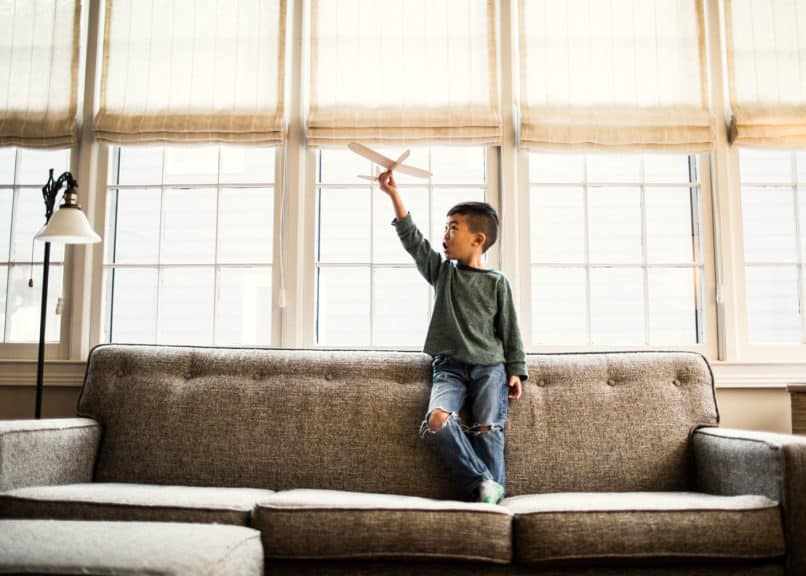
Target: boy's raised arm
x,y
388,185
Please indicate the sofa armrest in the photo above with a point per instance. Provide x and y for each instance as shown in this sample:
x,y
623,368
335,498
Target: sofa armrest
x,y
44,452
731,462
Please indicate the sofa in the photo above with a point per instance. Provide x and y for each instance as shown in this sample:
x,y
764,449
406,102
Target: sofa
x,y
615,464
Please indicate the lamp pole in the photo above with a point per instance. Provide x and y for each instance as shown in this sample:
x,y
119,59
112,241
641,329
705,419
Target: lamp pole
x,y
49,192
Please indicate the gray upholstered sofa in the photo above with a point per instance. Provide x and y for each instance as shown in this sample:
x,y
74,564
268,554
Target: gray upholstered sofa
x,y
615,464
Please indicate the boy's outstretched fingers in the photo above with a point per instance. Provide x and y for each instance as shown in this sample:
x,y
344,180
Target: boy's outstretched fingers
x,y
516,387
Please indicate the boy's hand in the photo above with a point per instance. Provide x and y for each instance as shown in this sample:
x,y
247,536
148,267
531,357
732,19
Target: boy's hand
x,y
387,182
516,387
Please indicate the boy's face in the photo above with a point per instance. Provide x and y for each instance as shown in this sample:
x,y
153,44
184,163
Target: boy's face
x,y
459,243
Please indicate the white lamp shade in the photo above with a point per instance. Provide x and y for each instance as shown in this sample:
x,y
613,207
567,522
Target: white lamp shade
x,y
68,225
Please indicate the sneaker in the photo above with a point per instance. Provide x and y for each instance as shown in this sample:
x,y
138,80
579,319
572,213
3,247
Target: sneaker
x,y
491,492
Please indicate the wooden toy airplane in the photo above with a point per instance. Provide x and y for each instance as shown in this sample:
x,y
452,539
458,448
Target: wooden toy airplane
x,y
387,163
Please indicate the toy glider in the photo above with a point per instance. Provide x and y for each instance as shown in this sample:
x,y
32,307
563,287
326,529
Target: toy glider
x,y
387,163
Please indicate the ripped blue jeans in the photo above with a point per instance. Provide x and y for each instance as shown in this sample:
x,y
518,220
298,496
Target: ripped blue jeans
x,y
472,454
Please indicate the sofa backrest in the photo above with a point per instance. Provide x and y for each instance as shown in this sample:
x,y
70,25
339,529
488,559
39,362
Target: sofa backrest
x,y
349,420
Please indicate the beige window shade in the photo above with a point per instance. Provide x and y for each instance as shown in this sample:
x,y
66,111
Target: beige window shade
x,y
767,71
39,48
193,71
415,71
621,74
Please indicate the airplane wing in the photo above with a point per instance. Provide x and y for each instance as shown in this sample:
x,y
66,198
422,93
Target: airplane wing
x,y
412,171
370,154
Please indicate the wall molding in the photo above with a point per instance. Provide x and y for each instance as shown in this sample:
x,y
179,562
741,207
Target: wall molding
x,y
58,373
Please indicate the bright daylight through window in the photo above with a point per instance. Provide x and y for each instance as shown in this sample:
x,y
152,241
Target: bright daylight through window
x,y
23,172
774,222
188,245
616,251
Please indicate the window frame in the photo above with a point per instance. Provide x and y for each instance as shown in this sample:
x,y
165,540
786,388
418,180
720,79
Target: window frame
x,y
708,346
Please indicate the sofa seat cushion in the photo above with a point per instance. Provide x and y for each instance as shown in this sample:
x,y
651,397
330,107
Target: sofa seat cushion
x,y
328,524
143,502
643,525
148,548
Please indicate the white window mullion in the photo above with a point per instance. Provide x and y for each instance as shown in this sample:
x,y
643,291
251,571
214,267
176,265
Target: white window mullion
x,y
587,260
645,257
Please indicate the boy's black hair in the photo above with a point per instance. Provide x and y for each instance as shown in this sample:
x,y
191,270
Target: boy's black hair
x,y
481,217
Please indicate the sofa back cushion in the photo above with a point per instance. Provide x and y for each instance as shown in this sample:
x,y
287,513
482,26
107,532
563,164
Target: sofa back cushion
x,y
349,420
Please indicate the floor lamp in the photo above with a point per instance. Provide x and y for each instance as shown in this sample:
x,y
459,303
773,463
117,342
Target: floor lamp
x,y
67,225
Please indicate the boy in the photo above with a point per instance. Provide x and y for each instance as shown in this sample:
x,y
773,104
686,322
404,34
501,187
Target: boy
x,y
474,340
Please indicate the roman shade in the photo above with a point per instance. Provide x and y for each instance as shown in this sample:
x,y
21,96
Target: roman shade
x,y
767,72
413,71
193,71
39,56
622,74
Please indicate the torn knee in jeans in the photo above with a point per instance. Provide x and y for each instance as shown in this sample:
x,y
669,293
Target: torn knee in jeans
x,y
482,428
435,421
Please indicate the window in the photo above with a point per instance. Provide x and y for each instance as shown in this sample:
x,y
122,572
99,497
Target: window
x,y
774,222
616,256
188,246
23,172
369,292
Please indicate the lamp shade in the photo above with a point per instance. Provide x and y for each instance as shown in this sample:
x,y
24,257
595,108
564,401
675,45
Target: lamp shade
x,y
68,225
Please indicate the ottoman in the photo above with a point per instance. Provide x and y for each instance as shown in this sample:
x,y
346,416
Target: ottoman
x,y
153,548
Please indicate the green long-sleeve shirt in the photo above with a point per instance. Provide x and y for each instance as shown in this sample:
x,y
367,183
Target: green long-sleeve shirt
x,y
474,316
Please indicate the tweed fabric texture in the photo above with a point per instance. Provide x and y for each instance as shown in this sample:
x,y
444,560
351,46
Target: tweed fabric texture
x,y
610,422
330,524
278,567
126,502
128,548
51,451
744,462
284,419
584,526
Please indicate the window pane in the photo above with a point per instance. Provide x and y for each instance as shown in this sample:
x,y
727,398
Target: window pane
x,y
344,225
801,157
139,165
558,224
243,308
343,314
401,307
6,197
617,306
765,166
386,245
7,160
246,225
769,224
559,309
340,166
135,226
33,168
666,168
247,165
189,226
668,224
614,168
186,306
773,313
615,224
197,165
442,200
29,217
24,304
556,168
456,165
134,308
672,306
